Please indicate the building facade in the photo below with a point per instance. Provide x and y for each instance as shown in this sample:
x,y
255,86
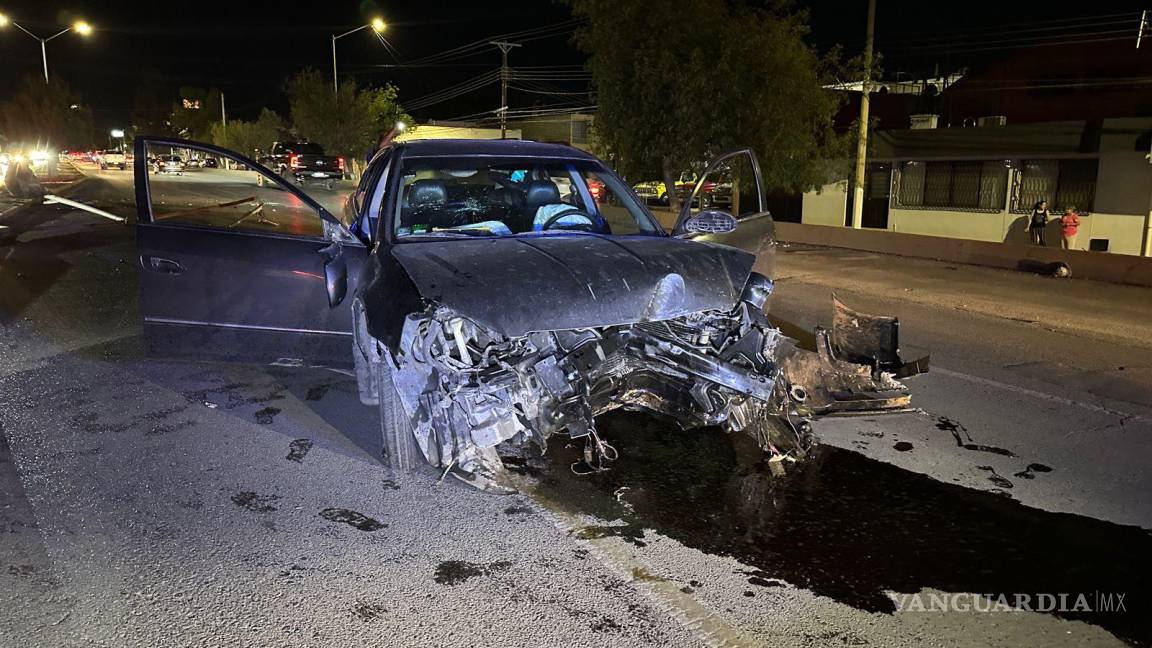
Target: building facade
x,y
981,183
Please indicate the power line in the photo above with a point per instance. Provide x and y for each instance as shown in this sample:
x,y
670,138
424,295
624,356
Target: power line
x,y
452,92
1068,30
1035,40
968,50
477,47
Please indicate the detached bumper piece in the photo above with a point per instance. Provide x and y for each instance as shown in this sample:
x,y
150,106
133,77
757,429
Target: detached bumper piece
x,y
872,340
469,390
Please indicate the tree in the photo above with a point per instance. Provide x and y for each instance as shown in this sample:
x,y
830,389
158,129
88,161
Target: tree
x,y
47,115
348,123
249,137
151,107
682,90
194,113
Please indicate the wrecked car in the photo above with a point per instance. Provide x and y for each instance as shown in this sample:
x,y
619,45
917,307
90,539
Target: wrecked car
x,y
491,294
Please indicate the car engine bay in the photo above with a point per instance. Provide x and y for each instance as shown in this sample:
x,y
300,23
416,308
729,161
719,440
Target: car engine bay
x,y
468,390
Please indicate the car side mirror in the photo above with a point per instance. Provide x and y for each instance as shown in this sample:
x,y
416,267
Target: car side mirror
x,y
711,222
335,274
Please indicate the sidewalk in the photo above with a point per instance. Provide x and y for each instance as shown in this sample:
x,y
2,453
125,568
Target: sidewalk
x,y
1092,309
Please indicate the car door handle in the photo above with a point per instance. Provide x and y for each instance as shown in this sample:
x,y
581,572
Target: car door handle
x,y
158,264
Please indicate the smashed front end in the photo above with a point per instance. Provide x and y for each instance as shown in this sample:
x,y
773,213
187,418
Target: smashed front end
x,y
467,389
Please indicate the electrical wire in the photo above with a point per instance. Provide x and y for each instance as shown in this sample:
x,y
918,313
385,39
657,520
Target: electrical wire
x,y
969,35
475,83
484,45
1036,40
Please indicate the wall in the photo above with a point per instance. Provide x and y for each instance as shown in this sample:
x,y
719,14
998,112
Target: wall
x,y
437,131
825,206
951,224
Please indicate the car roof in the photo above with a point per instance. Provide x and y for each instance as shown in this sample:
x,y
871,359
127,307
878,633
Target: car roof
x,y
506,147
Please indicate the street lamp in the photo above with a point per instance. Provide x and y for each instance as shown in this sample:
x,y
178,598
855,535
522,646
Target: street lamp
x,y
80,27
377,25
118,133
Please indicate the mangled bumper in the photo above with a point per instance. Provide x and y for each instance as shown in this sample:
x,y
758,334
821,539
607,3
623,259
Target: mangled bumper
x,y
467,389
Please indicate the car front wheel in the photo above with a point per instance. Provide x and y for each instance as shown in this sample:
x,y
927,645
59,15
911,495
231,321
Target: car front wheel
x,y
399,444
375,386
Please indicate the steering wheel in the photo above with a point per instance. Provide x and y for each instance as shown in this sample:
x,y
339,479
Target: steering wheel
x,y
569,212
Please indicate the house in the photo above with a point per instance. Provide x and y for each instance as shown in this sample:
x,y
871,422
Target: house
x,y
980,183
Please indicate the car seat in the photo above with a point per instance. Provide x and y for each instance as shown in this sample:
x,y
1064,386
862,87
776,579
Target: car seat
x,y
425,199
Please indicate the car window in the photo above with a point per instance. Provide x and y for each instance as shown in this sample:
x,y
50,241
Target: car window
x,y
731,186
485,196
307,148
369,197
227,195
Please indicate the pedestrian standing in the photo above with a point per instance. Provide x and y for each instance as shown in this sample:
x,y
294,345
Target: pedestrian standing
x,y
1070,226
1037,222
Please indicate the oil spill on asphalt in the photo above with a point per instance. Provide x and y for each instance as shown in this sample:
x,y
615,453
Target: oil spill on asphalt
x,y
995,477
165,428
1031,470
848,527
948,425
316,393
902,446
352,518
454,572
298,449
253,502
235,394
266,415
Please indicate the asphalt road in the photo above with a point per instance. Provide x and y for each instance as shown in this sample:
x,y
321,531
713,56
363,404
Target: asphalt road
x,y
146,502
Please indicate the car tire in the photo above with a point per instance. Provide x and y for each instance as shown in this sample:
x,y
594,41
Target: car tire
x,y
399,444
663,199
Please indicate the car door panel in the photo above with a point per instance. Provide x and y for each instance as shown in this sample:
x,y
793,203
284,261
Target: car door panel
x,y
214,290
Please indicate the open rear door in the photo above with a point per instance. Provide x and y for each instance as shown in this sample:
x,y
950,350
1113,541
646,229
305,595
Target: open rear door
x,y
237,263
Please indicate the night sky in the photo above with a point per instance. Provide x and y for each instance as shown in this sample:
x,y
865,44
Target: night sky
x,y
248,48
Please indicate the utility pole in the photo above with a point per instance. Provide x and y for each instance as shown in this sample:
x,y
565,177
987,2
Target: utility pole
x,y
224,127
862,143
504,46
1143,24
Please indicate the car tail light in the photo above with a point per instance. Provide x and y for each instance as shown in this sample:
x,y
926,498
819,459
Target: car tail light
x,y
340,163
294,161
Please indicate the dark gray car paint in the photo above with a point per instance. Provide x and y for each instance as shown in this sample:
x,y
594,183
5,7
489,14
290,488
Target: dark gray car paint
x,y
565,281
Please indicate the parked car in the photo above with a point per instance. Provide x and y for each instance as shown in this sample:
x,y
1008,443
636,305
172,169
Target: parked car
x,y
168,164
487,301
304,162
657,190
112,158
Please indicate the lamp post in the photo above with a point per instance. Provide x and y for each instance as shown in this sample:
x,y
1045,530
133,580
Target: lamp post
x,y
80,27
377,25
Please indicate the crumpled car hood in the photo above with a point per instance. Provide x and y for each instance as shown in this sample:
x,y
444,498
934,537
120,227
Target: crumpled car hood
x,y
537,283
